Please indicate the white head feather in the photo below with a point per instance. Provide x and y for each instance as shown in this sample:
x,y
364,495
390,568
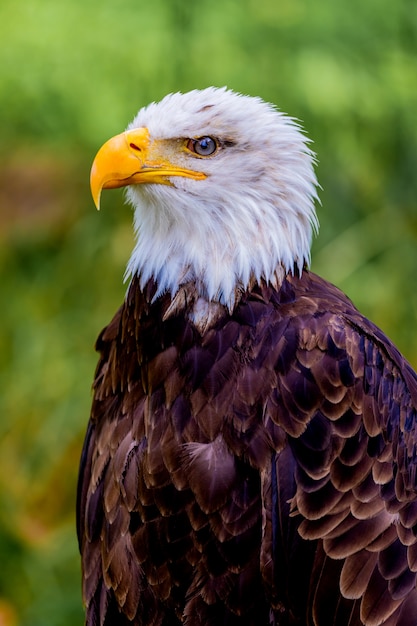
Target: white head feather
x,y
251,218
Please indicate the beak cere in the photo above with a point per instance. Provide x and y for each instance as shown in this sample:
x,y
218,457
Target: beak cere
x,y
125,160
117,161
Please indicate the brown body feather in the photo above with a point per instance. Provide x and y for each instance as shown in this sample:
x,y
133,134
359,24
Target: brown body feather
x,y
259,472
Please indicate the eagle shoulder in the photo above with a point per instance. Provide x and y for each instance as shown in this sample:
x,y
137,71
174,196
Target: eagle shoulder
x,y
355,459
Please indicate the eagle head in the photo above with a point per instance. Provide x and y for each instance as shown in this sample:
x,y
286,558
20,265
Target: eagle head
x,y
223,191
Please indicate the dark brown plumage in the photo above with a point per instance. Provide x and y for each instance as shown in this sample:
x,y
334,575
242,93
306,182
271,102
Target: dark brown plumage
x,y
243,476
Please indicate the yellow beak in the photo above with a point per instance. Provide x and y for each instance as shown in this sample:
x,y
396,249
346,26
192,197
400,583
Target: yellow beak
x,y
126,159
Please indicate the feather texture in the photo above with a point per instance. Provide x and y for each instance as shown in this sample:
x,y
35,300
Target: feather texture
x,y
260,473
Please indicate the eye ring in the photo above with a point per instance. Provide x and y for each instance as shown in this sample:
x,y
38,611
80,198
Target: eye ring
x,y
203,146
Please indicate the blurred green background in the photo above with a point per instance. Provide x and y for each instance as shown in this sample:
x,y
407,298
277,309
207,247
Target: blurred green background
x,y
73,73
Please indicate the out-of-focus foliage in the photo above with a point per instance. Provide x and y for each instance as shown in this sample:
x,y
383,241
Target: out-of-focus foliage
x,y
75,72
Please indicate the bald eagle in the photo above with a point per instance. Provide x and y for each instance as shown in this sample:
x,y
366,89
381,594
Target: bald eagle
x,y
251,453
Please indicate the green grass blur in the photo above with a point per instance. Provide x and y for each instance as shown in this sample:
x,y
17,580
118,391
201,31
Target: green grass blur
x,y
73,73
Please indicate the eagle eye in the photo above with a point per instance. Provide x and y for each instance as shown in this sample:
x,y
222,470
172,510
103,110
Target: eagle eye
x,y
203,146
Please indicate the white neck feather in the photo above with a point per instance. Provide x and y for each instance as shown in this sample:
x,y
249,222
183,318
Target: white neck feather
x,y
252,218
